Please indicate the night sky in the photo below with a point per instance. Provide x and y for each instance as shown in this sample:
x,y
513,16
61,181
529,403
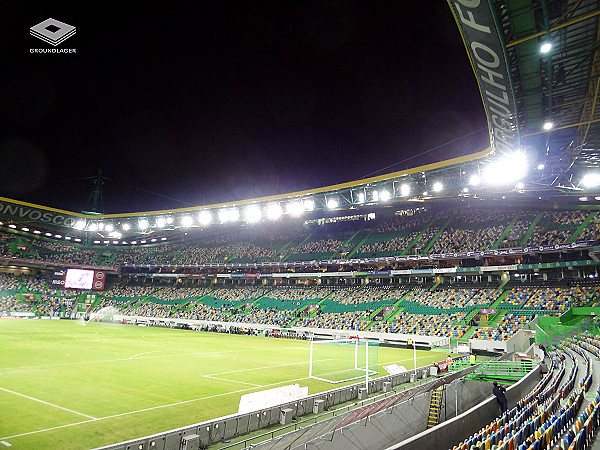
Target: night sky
x,y
183,106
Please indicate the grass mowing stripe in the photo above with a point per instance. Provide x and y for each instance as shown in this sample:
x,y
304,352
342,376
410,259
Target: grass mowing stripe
x,y
46,403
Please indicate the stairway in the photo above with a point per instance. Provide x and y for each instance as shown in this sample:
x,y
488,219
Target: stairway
x,y
435,407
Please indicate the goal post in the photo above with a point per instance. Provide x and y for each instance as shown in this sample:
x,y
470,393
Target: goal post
x,y
337,361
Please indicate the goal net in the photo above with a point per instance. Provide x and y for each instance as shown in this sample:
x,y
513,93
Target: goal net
x,y
343,360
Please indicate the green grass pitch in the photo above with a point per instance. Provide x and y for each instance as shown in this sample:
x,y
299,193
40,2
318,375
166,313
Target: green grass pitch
x,y
63,385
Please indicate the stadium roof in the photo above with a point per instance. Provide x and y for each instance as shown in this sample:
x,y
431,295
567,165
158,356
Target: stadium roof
x,y
522,89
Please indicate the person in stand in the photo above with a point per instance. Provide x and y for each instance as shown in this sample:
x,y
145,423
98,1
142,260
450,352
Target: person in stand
x,y
499,393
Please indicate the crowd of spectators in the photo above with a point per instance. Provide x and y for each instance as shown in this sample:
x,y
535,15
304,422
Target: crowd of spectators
x,y
357,321
11,303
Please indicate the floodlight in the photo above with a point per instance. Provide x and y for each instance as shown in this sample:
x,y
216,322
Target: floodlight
x,y
548,125
100,226
375,196
425,194
77,240
583,199
205,217
591,180
466,190
187,221
507,170
133,242
68,238
153,240
37,232
474,180
223,215
115,242
541,167
109,227
126,226
333,203
438,186
163,239
309,204
169,220
45,234
274,211
234,214
93,226
160,222
405,190
58,236
384,195
545,47
294,208
80,225
143,241
361,197
520,185
24,229
253,214
143,224
96,242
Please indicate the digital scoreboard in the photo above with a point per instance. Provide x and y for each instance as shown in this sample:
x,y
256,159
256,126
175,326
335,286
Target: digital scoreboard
x,y
78,279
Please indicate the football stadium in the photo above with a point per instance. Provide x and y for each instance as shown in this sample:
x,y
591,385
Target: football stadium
x,y
391,312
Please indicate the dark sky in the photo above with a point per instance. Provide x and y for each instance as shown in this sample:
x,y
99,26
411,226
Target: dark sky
x,y
184,106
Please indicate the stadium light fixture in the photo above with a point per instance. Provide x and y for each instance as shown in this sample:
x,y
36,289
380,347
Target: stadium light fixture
x,y
506,170
252,214
309,204
93,226
519,185
333,203
160,222
125,226
96,242
58,236
153,240
438,186
474,180
77,240
375,196
100,226
187,221
68,238
169,220
80,225
223,215
540,167
591,180
115,242
45,234
465,190
143,224
205,217
385,195
295,209
234,214
274,211
37,232
361,197
143,241
133,242
583,199
109,227
405,190
548,125
24,229
163,238
545,47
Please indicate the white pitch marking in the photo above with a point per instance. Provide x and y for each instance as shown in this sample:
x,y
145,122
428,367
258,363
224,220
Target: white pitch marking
x,y
6,444
266,367
231,381
46,403
145,353
148,409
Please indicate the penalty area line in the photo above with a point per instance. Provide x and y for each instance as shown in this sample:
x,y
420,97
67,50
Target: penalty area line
x,y
150,409
47,403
